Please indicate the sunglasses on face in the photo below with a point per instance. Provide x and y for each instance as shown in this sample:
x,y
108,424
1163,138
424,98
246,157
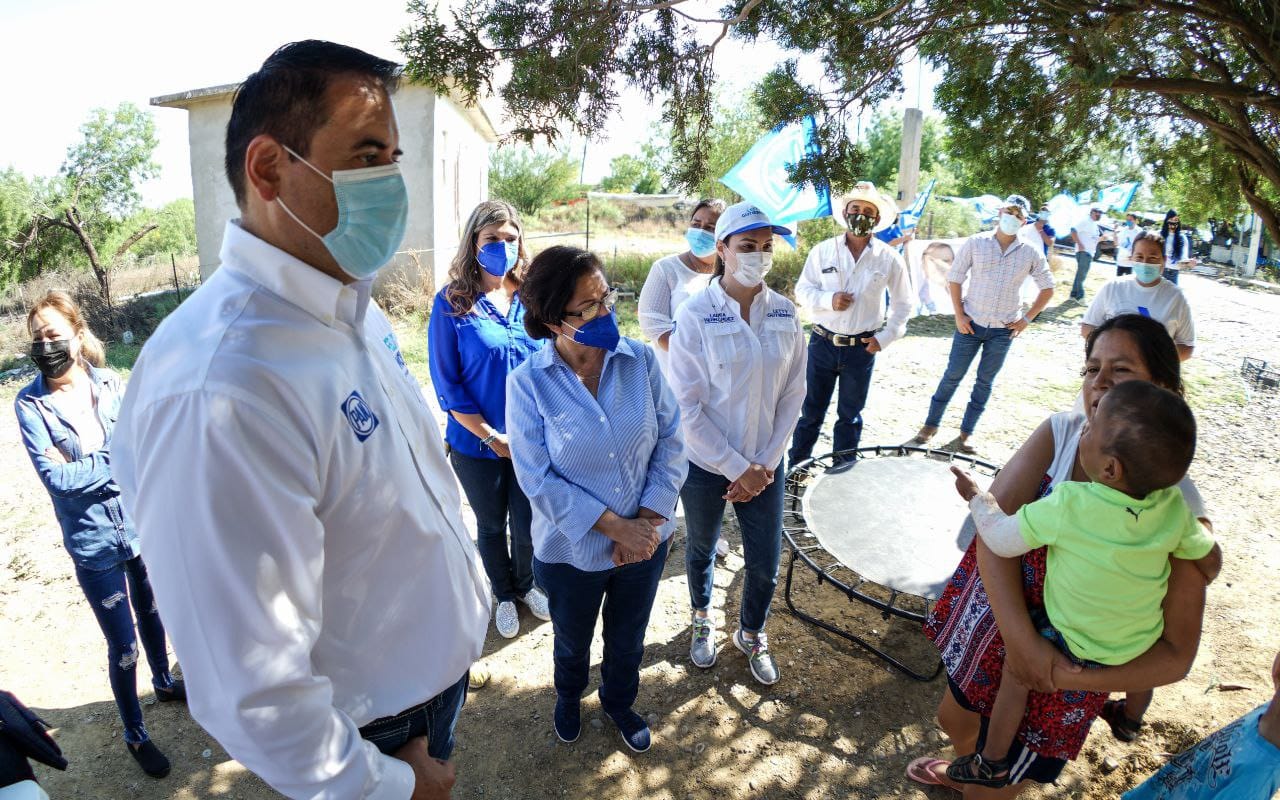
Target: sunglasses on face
x,y
598,308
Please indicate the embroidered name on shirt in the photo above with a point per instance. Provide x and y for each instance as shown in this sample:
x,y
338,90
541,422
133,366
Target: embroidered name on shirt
x,y
779,313
719,317
359,416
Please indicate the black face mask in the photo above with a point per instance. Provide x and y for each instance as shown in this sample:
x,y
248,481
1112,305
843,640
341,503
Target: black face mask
x,y
53,358
860,225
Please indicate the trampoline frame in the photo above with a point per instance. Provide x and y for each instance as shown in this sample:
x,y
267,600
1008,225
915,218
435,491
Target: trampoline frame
x,y
793,513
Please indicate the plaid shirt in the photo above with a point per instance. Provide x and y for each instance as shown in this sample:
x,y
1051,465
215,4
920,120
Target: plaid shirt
x,y
992,299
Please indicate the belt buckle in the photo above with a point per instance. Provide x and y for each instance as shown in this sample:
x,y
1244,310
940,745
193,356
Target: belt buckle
x,y
841,339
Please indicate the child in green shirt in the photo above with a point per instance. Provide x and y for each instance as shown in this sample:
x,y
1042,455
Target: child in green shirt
x,y
1109,543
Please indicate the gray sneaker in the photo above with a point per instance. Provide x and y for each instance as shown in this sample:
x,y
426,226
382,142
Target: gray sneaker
x,y
763,667
702,652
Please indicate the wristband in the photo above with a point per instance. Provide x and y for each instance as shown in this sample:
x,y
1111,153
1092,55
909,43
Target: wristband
x,y
490,439
1026,319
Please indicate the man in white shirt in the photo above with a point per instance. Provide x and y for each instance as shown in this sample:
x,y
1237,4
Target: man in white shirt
x,y
1086,233
299,518
990,315
1125,235
842,288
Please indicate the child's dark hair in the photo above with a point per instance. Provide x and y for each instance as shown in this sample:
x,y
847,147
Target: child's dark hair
x,y
1154,435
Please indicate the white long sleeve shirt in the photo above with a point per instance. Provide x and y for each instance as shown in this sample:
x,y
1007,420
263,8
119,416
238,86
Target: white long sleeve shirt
x,y
831,267
299,521
666,288
739,385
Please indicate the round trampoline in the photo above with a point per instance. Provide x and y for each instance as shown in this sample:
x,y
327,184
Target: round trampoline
x,y
884,526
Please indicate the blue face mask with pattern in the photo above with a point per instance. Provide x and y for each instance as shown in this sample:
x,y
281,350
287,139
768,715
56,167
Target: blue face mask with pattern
x,y
701,243
498,258
373,212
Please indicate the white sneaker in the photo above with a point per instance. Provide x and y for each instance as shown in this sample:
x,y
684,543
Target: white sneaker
x,y
722,547
536,600
507,620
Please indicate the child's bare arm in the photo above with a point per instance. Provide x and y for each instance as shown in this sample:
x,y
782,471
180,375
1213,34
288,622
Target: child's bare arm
x,y
1211,564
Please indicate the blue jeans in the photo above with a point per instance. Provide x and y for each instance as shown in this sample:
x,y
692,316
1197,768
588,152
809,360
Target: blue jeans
x,y
849,367
1170,274
575,597
760,519
110,593
1083,261
994,345
434,719
496,499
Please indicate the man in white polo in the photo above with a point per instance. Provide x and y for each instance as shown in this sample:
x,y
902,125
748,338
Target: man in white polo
x,y
299,519
1086,234
990,314
842,289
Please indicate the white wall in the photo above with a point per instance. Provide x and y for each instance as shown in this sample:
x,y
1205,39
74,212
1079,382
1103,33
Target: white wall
x,y
461,179
215,202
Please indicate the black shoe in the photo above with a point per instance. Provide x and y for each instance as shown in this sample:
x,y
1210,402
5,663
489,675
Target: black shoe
x,y
149,758
568,720
176,693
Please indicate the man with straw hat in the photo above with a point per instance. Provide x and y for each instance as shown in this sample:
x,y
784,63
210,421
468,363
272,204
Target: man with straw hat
x,y
842,288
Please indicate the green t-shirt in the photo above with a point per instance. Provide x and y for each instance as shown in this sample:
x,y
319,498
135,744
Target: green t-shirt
x,y
1108,563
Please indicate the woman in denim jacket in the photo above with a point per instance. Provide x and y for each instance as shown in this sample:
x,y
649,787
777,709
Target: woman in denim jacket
x,y
66,416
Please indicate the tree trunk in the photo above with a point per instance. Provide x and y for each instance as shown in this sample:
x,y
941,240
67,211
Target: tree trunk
x,y
1265,210
72,215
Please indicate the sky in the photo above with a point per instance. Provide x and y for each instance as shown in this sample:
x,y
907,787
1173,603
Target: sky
x,y
63,58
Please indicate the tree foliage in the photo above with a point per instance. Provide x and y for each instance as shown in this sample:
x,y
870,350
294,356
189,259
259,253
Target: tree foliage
x,y
88,205
1029,86
642,173
531,179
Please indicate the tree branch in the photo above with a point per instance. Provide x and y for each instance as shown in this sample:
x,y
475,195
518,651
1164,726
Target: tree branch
x,y
132,240
1194,86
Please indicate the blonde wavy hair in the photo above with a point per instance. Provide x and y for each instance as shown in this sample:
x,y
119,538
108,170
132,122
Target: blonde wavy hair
x,y
91,349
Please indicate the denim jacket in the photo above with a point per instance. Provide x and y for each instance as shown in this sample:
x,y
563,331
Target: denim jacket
x,y
85,497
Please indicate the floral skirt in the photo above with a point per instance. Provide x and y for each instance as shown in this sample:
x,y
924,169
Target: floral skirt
x,y
963,628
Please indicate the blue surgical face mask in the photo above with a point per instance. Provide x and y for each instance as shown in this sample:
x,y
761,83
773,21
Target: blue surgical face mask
x,y
498,258
600,332
1147,273
1009,224
373,211
701,243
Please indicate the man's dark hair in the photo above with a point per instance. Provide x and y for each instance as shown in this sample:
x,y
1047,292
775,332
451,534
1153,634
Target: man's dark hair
x,y
1153,435
1159,354
285,98
549,284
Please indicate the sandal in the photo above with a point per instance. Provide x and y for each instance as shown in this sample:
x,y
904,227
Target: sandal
x,y
1123,728
978,771
922,771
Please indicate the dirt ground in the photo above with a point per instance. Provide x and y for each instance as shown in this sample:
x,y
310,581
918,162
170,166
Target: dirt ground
x,y
839,724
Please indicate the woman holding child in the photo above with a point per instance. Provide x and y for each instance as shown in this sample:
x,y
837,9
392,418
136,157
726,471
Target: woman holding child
x,y
979,613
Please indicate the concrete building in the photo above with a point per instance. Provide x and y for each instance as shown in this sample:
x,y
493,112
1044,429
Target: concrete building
x,y
445,165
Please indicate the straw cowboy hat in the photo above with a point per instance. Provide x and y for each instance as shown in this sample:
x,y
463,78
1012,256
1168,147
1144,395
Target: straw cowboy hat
x,y
866,192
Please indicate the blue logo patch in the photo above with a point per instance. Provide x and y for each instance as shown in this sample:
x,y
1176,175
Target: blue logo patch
x,y
361,418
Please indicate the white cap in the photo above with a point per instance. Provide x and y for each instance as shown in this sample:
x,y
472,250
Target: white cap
x,y
742,217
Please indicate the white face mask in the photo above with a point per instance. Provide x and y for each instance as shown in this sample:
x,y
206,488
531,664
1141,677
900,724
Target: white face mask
x,y
1009,224
752,267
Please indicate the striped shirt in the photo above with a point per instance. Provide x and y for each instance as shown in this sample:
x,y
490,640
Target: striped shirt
x,y
577,456
991,299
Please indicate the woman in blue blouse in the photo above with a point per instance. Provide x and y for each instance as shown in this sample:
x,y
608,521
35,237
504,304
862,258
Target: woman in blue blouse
x,y
475,338
595,435
66,416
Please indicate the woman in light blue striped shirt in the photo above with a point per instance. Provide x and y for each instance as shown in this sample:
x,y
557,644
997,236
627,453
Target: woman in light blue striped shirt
x,y
595,439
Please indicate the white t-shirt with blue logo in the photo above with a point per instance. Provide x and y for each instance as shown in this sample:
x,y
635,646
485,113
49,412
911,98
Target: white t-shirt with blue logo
x,y
1234,763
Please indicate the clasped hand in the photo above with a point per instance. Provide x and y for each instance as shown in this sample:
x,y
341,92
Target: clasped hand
x,y
749,484
636,540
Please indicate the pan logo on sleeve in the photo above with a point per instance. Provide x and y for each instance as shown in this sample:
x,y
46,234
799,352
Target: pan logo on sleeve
x,y
359,416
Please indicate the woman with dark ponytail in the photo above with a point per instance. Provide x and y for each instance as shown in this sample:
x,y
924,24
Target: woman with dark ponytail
x,y
1177,246
66,415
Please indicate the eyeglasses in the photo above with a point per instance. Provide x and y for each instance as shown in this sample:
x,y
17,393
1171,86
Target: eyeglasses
x,y
597,308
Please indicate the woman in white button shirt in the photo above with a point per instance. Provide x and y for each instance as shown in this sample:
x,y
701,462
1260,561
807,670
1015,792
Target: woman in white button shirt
x,y
673,279
1146,293
737,369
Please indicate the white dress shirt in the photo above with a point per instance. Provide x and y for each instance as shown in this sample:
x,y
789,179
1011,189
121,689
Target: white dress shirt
x,y
831,268
666,288
1164,302
299,521
739,385
995,276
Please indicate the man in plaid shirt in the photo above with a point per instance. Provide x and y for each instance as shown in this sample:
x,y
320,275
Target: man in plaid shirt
x,y
990,314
